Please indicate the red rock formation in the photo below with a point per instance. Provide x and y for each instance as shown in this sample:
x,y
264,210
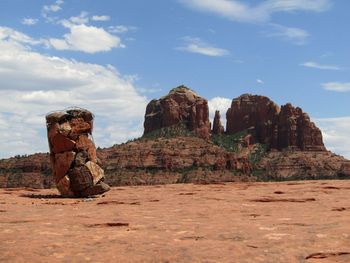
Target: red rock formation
x,y
217,126
181,105
277,128
73,153
296,131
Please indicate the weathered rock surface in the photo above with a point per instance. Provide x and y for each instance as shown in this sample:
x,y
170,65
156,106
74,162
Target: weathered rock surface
x,y
173,160
217,126
27,171
73,153
300,165
278,128
181,105
304,221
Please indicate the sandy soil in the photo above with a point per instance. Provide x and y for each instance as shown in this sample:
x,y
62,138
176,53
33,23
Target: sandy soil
x,y
235,222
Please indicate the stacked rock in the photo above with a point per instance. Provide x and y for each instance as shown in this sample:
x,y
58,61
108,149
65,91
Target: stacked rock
x,y
73,153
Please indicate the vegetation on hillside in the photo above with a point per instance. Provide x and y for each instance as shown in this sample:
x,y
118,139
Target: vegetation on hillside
x,y
230,142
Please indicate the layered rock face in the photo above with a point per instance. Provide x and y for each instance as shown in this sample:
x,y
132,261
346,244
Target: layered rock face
x,y
278,128
181,105
300,165
217,126
73,153
254,112
26,171
173,160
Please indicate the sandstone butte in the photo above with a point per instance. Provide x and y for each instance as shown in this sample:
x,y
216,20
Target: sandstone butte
x,y
262,142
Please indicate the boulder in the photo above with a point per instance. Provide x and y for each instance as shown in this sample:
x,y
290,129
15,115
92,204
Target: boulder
x,y
61,143
96,171
63,162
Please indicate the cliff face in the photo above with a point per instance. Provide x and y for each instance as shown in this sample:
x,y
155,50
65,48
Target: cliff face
x,y
168,153
31,171
181,105
278,128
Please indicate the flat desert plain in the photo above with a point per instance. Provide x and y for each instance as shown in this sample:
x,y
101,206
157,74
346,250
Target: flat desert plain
x,y
305,221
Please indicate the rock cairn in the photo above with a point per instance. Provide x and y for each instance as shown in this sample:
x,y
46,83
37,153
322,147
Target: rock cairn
x,y
73,153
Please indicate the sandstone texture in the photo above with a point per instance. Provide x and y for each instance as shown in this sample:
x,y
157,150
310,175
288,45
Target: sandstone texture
x,y
181,105
304,221
73,153
298,165
217,126
278,128
173,160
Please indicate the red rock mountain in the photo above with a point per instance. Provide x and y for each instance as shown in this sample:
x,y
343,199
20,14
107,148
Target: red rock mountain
x,y
278,128
167,154
181,105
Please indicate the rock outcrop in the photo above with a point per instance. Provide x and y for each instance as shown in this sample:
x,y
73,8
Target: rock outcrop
x,y
173,160
251,149
181,105
301,165
278,128
217,126
73,153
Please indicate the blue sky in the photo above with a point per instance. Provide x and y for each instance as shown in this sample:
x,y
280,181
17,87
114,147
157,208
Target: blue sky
x,y
112,57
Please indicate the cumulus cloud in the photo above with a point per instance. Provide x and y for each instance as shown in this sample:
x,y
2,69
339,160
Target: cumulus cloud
x,y
83,38
29,21
336,134
311,64
101,18
337,86
33,84
241,11
196,45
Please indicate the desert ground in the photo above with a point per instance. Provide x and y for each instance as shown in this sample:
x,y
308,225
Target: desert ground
x,y
306,221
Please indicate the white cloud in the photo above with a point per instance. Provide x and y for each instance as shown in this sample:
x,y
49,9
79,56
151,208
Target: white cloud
x,y
336,134
221,104
29,21
243,12
311,64
33,84
83,38
48,9
121,29
294,35
15,37
259,81
101,18
196,45
337,86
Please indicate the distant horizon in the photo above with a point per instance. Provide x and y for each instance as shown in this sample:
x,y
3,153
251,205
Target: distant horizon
x,y
113,57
